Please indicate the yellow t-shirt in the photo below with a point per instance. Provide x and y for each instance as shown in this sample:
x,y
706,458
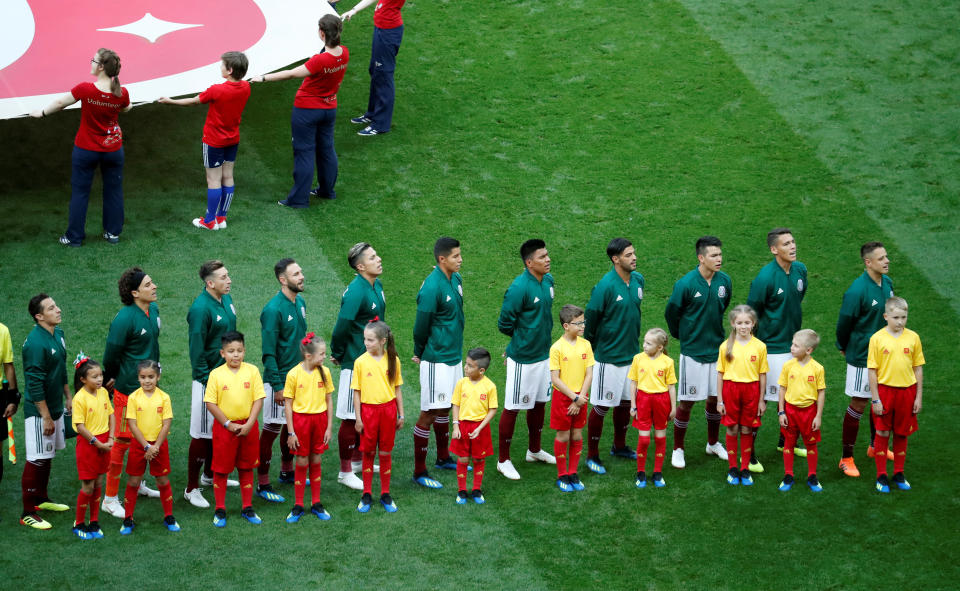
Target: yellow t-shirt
x,y
6,347
572,360
803,382
149,411
234,393
749,361
370,377
92,410
308,389
895,357
652,375
474,398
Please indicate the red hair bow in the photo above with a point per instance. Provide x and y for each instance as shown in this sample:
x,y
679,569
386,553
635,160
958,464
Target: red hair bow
x,y
308,339
80,360
374,319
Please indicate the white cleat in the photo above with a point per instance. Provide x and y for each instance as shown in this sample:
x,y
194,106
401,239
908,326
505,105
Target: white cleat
x,y
196,498
718,450
541,456
677,460
358,467
350,480
146,491
209,481
507,469
112,506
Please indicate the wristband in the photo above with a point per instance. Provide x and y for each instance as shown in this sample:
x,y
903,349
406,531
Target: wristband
x,y
146,447
781,413
876,401
291,433
456,422
227,424
93,440
400,417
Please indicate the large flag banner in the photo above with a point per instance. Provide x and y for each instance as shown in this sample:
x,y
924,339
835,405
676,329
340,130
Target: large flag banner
x,y
166,47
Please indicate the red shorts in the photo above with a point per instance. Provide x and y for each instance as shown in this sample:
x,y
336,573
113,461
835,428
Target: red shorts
x,y
120,413
232,451
897,410
91,462
379,426
800,421
137,463
310,429
559,419
480,447
741,401
652,410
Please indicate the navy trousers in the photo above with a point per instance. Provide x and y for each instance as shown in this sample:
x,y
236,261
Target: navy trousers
x,y
383,62
312,147
85,163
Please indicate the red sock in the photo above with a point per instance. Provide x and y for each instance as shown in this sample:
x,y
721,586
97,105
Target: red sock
x,y
508,422
345,443
713,420
421,441
220,490
299,484
535,425
246,487
659,451
790,442
746,448
573,462
83,501
643,444
196,455
478,465
441,428
166,498
560,451
130,500
95,504
368,472
386,462
594,431
880,446
315,473
680,423
811,458
621,422
732,449
462,474
851,424
286,456
267,437
899,452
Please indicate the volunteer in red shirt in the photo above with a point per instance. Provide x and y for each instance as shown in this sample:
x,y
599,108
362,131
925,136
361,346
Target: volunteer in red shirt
x,y
99,142
314,113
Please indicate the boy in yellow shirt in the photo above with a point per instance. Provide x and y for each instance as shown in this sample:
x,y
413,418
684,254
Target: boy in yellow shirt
x,y
473,406
800,406
571,358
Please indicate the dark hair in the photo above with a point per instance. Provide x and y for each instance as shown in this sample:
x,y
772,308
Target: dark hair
x,y
617,246
707,241
236,62
774,235
868,248
356,251
281,267
480,356
148,364
568,312
130,282
36,305
111,67
444,247
332,26
529,247
207,269
382,330
232,336
81,372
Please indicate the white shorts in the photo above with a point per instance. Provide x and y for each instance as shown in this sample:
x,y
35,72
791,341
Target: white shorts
x,y
273,413
437,381
527,384
201,421
698,381
610,384
858,382
345,409
775,361
40,446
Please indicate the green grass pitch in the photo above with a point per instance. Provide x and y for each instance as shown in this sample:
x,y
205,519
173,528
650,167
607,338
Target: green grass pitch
x,y
576,122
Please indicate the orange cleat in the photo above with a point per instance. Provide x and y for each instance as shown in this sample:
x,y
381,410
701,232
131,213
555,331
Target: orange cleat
x,y
849,468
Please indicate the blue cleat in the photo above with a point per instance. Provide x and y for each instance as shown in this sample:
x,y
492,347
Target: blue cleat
x,y
267,493
426,481
220,518
575,481
295,514
623,452
641,481
746,479
250,515
563,483
80,530
387,501
595,466
900,481
883,485
171,524
319,512
786,484
365,502
478,497
813,483
94,530
462,497
127,528
446,464
658,480
733,477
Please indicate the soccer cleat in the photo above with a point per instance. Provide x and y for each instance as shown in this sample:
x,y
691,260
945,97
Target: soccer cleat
x,y
541,456
361,120
94,530
146,491
623,452
507,469
221,222
66,242
358,467
80,530
478,497
849,468
717,449
733,477
596,466
49,505
745,478
220,518
677,460
425,481
368,131
171,524
575,481
267,493
196,499
658,480
250,515
350,480
755,466
883,485
786,484
295,514
319,512
211,225
111,238
641,481
208,481
35,521
387,501
127,528
445,464
563,483
901,481
286,477
365,502
813,483
462,497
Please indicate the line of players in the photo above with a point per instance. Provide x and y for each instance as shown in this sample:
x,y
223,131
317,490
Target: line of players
x,y
611,323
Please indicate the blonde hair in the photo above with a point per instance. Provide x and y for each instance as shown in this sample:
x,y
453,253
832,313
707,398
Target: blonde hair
x,y
895,303
658,336
807,338
732,317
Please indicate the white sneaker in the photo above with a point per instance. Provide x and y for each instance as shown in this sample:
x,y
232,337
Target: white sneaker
x,y
146,491
718,450
350,480
541,456
196,498
209,481
358,467
507,469
677,460
112,506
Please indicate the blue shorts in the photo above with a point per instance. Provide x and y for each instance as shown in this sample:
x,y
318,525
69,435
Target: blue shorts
x,y
215,157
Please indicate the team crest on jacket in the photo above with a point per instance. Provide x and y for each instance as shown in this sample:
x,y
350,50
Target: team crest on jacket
x,y
722,291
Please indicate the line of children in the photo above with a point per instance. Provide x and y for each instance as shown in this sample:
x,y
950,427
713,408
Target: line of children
x,y
653,383
571,360
473,405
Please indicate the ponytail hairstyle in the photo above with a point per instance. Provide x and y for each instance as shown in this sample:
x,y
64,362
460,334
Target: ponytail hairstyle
x,y
383,331
149,364
736,312
657,335
110,62
83,366
310,343
332,26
